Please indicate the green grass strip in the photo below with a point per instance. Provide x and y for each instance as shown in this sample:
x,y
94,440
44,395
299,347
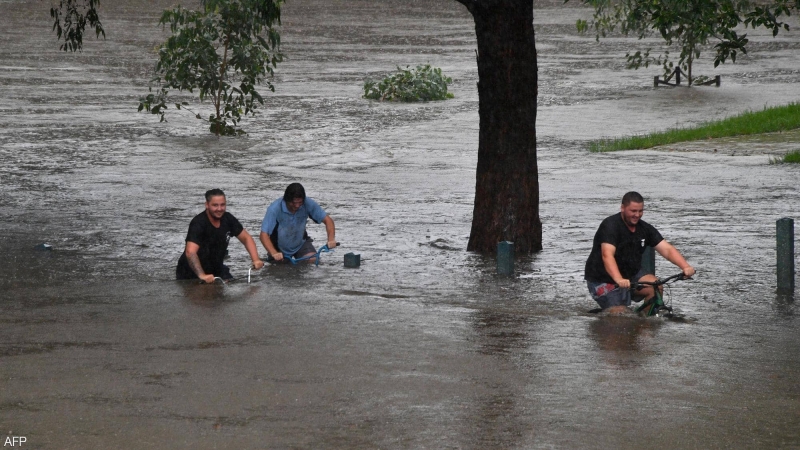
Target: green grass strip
x,y
792,157
770,120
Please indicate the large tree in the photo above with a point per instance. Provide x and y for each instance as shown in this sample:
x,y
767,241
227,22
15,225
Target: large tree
x,y
507,179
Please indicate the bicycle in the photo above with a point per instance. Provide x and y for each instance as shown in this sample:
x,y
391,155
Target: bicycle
x,y
323,249
293,260
656,306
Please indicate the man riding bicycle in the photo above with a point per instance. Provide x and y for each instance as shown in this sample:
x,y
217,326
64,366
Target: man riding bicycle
x,y
616,257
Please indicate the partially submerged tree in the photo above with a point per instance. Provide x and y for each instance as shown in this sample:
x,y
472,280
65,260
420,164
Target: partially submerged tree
x,y
223,51
507,179
688,24
70,18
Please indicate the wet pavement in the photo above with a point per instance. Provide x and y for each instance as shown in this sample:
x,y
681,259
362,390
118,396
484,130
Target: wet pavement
x,y
423,346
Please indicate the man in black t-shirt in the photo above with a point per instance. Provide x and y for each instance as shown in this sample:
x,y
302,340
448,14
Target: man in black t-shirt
x,y
616,256
207,242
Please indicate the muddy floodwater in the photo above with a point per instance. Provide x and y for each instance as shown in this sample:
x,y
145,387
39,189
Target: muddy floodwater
x,y
423,346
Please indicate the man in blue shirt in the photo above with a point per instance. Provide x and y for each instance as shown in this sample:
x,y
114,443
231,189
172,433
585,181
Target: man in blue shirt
x,y
283,230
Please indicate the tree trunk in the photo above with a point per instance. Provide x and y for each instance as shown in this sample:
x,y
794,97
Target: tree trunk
x,y
507,185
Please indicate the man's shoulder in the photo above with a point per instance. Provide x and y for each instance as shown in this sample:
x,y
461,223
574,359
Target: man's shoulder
x,y
232,224
610,229
198,228
314,210
200,220
275,206
310,202
229,217
646,225
274,210
649,229
613,220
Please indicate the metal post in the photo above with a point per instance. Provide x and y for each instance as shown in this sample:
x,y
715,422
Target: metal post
x,y
505,258
649,260
785,251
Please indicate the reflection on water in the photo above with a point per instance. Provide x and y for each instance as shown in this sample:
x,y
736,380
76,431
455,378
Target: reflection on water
x,y
785,305
207,295
499,333
498,422
622,339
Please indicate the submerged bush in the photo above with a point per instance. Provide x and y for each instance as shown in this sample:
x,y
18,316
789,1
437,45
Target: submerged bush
x,y
425,83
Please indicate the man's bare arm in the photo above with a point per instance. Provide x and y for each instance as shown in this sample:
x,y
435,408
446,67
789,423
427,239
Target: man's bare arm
x,y
250,245
607,251
671,254
267,243
194,262
330,229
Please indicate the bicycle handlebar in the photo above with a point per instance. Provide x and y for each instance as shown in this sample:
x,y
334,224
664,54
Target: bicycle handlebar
x,y
659,282
323,249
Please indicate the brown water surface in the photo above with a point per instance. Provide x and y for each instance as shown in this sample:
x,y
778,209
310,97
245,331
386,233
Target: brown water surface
x,y
423,346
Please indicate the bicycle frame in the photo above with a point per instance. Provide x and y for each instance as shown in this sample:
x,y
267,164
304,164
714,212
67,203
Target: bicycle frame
x,y
323,249
656,306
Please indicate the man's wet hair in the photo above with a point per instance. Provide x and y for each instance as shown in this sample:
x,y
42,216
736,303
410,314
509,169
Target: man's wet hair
x,y
213,193
293,191
632,197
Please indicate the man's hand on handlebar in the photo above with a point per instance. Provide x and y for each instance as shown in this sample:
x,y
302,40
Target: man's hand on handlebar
x,y
623,283
207,278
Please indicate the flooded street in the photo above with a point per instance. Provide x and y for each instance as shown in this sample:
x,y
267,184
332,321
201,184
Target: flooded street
x,y
423,346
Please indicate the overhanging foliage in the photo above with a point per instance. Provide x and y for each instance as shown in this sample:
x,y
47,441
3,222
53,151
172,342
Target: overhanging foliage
x,y
70,18
689,24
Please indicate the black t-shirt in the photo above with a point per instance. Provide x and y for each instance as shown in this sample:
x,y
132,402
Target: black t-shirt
x,y
630,247
213,243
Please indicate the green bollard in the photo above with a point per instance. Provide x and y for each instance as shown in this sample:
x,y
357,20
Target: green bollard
x,y
505,258
785,251
649,260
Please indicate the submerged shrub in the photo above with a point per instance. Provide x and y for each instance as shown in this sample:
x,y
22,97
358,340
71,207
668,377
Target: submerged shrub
x,y
425,83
